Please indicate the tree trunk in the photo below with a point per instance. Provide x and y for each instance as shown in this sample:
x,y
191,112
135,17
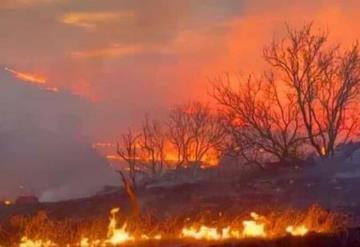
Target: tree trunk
x,y
130,191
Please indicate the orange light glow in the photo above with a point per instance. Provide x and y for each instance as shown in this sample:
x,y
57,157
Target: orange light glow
x,y
32,78
111,157
257,227
117,235
26,242
52,89
210,233
89,20
106,149
8,202
254,228
103,145
297,230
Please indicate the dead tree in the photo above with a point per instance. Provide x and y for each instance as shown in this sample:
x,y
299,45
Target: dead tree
x,y
325,82
179,134
152,142
194,131
206,130
127,150
263,121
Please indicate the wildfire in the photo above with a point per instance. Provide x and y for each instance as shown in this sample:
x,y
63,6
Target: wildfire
x,y
251,228
32,78
37,79
297,230
25,242
170,157
210,233
256,227
117,235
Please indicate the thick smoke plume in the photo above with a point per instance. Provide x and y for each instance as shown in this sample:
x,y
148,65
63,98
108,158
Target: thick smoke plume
x,y
44,149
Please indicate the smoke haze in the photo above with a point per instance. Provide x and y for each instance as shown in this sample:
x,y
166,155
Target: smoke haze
x,y
115,60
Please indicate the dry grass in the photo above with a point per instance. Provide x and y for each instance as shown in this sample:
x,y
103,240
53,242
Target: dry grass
x,y
40,226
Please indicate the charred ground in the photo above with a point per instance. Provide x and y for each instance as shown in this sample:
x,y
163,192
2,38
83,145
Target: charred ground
x,y
212,191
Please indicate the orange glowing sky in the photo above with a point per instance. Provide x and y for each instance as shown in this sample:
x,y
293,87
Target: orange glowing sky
x,y
131,57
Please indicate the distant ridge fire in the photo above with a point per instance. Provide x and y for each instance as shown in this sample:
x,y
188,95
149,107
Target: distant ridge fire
x,y
169,124
32,79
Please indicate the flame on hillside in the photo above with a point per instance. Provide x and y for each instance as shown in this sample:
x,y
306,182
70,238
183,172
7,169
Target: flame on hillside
x,y
32,79
106,149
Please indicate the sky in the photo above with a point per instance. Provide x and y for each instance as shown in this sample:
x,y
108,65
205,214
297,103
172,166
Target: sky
x,y
112,61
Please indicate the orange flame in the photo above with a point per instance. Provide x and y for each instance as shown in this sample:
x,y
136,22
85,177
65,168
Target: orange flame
x,y
33,79
117,235
297,230
106,149
26,242
253,228
36,79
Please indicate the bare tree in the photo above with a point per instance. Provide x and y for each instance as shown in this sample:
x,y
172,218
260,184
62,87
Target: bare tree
x,y
263,121
206,130
195,131
152,142
127,149
179,134
325,82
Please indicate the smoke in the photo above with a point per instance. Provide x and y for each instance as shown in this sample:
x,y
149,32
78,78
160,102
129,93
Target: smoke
x,y
43,144
130,57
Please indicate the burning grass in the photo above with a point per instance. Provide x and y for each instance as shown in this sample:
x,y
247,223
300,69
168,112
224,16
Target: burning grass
x,y
41,231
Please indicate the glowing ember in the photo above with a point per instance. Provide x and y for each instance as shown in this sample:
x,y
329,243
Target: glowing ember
x,y
297,230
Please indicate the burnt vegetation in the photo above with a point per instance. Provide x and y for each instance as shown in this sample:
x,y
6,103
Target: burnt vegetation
x,y
307,100
299,110
294,116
